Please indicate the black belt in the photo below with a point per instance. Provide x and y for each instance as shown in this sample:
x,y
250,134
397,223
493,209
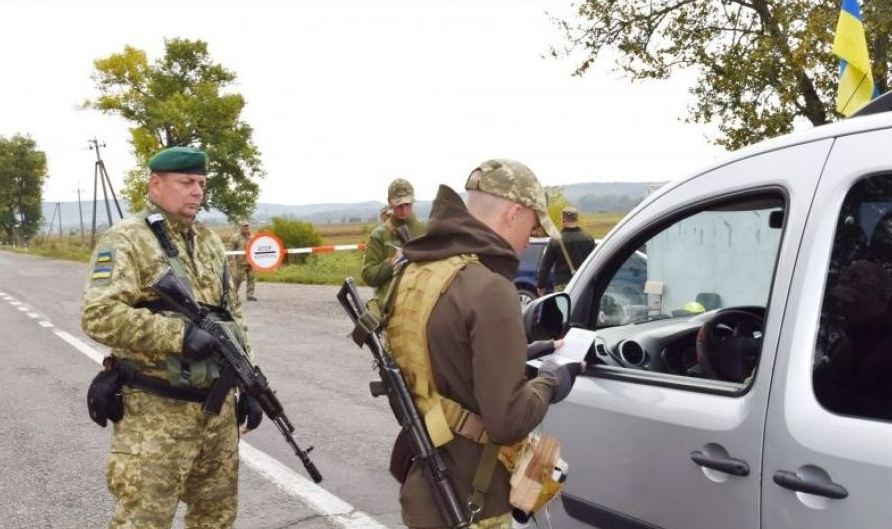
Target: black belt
x,y
162,387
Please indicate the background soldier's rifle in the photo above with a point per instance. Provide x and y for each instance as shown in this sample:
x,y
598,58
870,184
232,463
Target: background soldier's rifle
x,y
236,367
394,386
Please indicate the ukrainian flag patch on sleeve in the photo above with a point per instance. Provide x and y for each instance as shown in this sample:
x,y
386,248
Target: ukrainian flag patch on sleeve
x,y
102,272
102,267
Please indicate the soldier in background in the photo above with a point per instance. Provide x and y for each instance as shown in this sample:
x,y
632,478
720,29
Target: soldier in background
x,y
577,244
241,268
166,449
384,247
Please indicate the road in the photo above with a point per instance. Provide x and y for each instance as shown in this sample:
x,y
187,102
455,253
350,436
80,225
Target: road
x,y
53,455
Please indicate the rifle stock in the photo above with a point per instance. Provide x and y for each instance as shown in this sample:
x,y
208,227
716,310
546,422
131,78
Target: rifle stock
x,y
394,386
236,369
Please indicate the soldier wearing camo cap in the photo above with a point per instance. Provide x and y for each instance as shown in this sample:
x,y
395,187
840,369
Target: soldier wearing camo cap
x,y
242,271
455,309
383,248
566,254
165,449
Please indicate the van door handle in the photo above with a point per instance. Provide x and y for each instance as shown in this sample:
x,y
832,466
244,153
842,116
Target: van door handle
x,y
793,481
728,465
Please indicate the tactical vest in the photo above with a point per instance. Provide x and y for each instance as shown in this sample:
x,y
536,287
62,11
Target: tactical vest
x,y
419,287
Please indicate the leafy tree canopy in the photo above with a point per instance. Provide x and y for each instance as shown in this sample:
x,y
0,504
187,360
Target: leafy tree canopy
x,y
22,173
762,64
178,101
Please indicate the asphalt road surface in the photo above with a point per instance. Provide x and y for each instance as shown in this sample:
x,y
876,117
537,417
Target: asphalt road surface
x,y
53,456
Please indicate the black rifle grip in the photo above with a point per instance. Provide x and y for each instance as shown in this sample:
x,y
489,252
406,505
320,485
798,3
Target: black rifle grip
x,y
219,390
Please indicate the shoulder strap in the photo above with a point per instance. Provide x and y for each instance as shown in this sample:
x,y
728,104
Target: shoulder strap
x,y
566,256
155,221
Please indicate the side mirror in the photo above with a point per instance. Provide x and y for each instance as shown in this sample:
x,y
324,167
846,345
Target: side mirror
x,y
547,318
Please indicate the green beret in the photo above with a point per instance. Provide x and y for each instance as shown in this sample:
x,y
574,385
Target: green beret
x,y
180,160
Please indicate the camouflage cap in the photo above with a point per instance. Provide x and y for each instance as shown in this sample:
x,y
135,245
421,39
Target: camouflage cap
x,y
244,222
180,160
400,192
515,182
570,212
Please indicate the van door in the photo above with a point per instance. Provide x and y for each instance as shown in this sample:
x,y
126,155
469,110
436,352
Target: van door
x,y
656,434
828,462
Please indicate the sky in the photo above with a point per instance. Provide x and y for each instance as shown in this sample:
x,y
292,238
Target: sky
x,y
346,96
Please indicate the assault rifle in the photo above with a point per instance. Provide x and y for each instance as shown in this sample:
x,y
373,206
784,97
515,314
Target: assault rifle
x,y
394,386
236,369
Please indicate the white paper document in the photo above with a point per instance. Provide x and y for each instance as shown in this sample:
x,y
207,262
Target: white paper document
x,y
577,342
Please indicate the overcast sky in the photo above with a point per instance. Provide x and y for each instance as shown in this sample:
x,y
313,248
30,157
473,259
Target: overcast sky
x,y
346,96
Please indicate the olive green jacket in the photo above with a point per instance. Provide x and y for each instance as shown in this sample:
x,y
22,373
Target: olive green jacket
x,y
381,247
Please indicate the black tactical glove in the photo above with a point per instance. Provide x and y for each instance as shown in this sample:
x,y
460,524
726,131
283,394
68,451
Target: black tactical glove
x,y
248,408
565,375
198,344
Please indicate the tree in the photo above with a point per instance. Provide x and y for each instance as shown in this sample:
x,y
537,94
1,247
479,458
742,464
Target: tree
x,y
556,203
762,64
177,101
22,173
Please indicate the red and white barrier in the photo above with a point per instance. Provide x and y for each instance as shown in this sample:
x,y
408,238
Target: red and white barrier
x,y
314,249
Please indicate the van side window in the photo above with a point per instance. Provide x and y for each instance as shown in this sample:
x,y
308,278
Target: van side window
x,y
853,354
692,300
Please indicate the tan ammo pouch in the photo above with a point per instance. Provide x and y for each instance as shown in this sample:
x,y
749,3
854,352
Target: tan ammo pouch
x,y
537,472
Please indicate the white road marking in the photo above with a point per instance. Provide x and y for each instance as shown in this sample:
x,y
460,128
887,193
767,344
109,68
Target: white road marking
x,y
317,498
44,323
312,494
15,303
23,308
33,315
91,353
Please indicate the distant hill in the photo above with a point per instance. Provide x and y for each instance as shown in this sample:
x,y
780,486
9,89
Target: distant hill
x,y
590,197
620,197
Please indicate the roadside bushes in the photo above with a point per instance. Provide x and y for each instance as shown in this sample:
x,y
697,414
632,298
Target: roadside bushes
x,y
295,234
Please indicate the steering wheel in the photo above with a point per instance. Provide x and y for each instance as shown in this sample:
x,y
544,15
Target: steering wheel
x,y
728,345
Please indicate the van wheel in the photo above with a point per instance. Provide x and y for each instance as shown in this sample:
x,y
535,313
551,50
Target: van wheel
x,y
525,296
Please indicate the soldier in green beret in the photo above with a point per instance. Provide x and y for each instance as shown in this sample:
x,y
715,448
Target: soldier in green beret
x,y
383,249
165,449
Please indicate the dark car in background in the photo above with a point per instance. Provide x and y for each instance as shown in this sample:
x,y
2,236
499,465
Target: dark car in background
x,y
525,279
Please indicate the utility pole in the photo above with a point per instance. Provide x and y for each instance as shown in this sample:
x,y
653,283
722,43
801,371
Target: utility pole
x,y
80,211
100,177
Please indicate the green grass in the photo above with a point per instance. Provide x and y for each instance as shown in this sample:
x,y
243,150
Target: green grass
x,y
68,248
323,269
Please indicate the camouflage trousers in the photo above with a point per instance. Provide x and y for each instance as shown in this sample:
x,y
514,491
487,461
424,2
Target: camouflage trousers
x,y
502,521
165,451
244,273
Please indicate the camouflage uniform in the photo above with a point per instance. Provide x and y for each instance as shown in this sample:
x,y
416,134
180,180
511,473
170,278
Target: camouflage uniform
x,y
388,237
163,451
241,269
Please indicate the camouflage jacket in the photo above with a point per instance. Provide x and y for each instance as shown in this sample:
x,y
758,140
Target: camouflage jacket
x,y
238,243
382,245
126,261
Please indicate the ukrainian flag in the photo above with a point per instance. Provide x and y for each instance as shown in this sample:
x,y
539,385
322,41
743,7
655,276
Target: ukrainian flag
x,y
856,86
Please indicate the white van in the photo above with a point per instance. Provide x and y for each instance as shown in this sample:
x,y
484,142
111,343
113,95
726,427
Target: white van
x,y
750,384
